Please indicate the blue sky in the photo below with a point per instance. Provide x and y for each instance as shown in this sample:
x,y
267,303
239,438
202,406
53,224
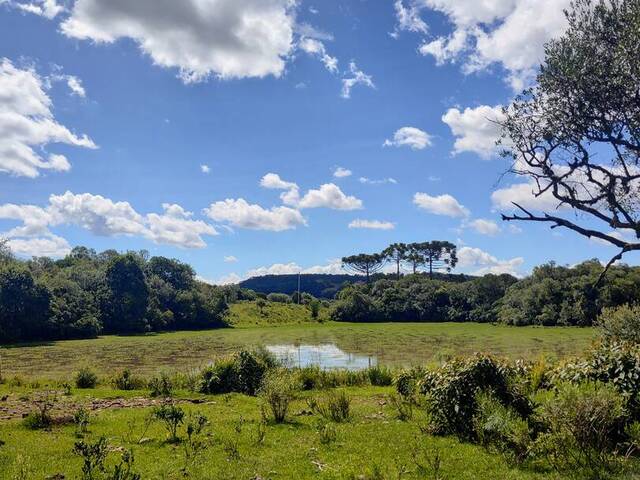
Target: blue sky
x,y
114,109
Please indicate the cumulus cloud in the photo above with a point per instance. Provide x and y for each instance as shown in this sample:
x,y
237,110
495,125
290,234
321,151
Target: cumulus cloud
x,y
411,137
441,205
45,246
205,169
43,8
340,172
200,38
27,125
484,226
291,268
372,224
481,262
239,213
328,195
100,216
353,78
476,129
273,181
316,48
230,259
510,33
522,194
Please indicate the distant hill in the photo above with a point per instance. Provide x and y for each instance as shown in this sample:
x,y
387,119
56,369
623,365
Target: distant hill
x,y
320,285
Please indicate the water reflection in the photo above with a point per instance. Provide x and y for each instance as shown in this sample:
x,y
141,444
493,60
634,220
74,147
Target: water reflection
x,y
326,356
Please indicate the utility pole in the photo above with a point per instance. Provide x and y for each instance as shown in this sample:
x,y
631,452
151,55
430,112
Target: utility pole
x,y
299,275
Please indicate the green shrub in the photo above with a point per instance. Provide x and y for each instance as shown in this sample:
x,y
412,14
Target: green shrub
x,y
125,380
327,432
380,376
334,406
585,425
615,364
314,307
86,378
161,385
406,382
241,373
278,391
452,393
40,418
93,457
403,406
172,417
620,324
279,298
500,427
81,420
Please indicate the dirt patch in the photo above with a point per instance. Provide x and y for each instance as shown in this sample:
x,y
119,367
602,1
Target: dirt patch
x,y
14,406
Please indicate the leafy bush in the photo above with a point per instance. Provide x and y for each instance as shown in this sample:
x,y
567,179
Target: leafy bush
x,y
452,393
81,420
278,391
241,373
615,364
585,425
125,380
335,406
161,385
502,428
620,324
279,298
86,378
172,417
406,382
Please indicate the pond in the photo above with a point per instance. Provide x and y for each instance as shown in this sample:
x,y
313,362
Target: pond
x,y
326,356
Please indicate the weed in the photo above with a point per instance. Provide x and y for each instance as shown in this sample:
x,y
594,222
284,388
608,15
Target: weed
x,y
81,420
86,378
172,417
161,385
335,406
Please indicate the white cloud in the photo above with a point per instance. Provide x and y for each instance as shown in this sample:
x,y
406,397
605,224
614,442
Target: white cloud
x,y
230,259
45,246
511,33
476,129
408,18
205,169
440,205
239,213
485,227
225,38
482,262
522,194
104,217
369,181
357,77
411,137
329,195
43,8
27,124
230,279
291,268
340,172
316,48
372,224
273,181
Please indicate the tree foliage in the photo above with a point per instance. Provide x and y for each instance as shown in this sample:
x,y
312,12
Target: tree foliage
x,y
576,133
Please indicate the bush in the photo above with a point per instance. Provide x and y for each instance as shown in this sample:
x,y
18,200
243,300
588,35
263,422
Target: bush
x,y
380,376
125,380
279,298
242,373
172,417
620,324
86,378
335,406
585,425
452,393
161,385
278,391
502,428
615,364
406,382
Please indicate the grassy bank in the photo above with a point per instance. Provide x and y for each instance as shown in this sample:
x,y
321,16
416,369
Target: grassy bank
x,y
394,344
373,444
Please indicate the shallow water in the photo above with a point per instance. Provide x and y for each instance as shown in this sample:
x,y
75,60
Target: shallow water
x,y
327,356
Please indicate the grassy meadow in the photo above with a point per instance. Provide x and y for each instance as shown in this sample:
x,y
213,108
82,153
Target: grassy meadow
x,y
394,344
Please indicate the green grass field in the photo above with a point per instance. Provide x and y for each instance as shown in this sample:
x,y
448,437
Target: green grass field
x,y
394,344
373,441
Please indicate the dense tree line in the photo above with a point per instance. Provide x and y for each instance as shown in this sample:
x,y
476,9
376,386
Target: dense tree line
x,y
552,295
88,293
